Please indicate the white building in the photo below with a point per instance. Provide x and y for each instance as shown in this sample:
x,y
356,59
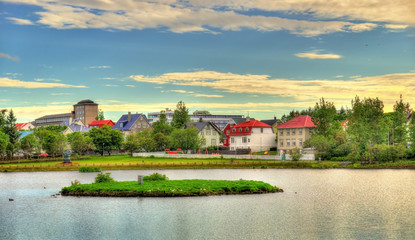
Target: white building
x,y
252,134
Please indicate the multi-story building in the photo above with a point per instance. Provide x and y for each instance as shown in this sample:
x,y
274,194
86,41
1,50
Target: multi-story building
x,y
252,134
219,120
207,131
54,119
294,132
86,111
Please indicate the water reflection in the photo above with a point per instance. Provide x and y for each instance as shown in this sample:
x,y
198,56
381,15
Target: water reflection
x,y
316,204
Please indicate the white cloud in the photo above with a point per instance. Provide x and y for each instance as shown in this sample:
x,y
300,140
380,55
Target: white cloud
x,y
20,21
387,87
13,58
99,67
396,26
317,55
208,95
110,85
131,86
12,83
223,15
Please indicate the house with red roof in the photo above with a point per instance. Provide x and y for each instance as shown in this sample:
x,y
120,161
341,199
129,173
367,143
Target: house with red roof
x,y
251,134
100,123
25,126
294,132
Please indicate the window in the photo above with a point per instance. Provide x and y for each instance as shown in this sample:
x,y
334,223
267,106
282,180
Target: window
x,y
288,132
293,131
246,129
213,142
310,130
282,143
227,132
139,125
300,131
232,140
249,140
233,130
300,142
207,131
293,142
240,129
243,139
262,130
288,142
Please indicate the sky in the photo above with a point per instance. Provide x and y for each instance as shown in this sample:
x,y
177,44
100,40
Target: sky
x,y
258,57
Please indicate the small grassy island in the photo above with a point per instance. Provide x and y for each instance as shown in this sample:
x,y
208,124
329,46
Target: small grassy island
x,y
157,185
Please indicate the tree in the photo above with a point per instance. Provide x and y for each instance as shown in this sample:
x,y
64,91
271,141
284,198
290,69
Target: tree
x,y
323,117
162,126
180,115
106,139
146,141
10,129
366,124
412,131
100,115
321,144
185,139
4,140
399,131
80,142
131,143
29,144
53,142
161,140
2,120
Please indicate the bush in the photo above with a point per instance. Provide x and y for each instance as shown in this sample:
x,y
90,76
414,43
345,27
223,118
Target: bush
x,y
76,182
104,177
339,159
155,177
89,169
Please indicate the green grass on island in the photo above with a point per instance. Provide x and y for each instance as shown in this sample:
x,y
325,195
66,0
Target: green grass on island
x,y
162,187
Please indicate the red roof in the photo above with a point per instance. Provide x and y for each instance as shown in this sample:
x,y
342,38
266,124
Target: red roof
x,y
21,125
298,122
247,124
101,123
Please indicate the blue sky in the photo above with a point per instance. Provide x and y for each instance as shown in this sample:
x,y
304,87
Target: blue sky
x,y
262,57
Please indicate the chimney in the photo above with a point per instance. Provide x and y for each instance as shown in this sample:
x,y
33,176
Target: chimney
x,y
248,119
200,119
129,117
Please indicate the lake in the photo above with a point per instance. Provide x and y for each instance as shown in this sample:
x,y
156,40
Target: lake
x,y
316,204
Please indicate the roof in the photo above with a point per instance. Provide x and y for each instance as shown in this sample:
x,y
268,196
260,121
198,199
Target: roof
x,y
270,121
248,124
298,122
86,102
78,128
102,122
201,125
25,133
21,125
127,124
61,115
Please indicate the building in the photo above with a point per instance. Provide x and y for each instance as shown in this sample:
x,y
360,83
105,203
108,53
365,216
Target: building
x,y
86,111
132,123
55,119
100,123
273,123
252,134
207,131
294,132
228,128
219,120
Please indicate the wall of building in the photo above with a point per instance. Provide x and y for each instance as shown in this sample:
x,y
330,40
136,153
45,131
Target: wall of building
x,y
211,136
296,137
257,141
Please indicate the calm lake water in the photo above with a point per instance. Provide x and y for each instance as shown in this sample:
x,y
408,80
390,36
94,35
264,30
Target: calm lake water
x,y
316,204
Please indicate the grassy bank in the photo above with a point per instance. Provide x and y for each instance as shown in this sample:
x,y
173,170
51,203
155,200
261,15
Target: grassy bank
x,y
169,188
128,162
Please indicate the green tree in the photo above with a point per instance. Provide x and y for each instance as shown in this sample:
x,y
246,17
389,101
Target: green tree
x,y
323,117
29,144
366,124
161,140
11,130
131,143
106,139
162,125
146,141
53,142
411,129
321,144
4,141
399,130
80,142
180,115
100,115
2,121
185,139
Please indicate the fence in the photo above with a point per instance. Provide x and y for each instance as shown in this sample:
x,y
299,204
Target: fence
x,y
310,157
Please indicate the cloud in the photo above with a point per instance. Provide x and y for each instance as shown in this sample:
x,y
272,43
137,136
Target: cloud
x,y
20,21
12,83
387,87
223,15
110,85
99,67
396,27
316,55
3,55
208,96
131,86
191,93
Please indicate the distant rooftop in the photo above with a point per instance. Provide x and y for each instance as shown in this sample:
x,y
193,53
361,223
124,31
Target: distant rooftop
x,y
86,101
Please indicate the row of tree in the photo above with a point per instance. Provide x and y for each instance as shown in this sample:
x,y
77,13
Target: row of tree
x,y
371,135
